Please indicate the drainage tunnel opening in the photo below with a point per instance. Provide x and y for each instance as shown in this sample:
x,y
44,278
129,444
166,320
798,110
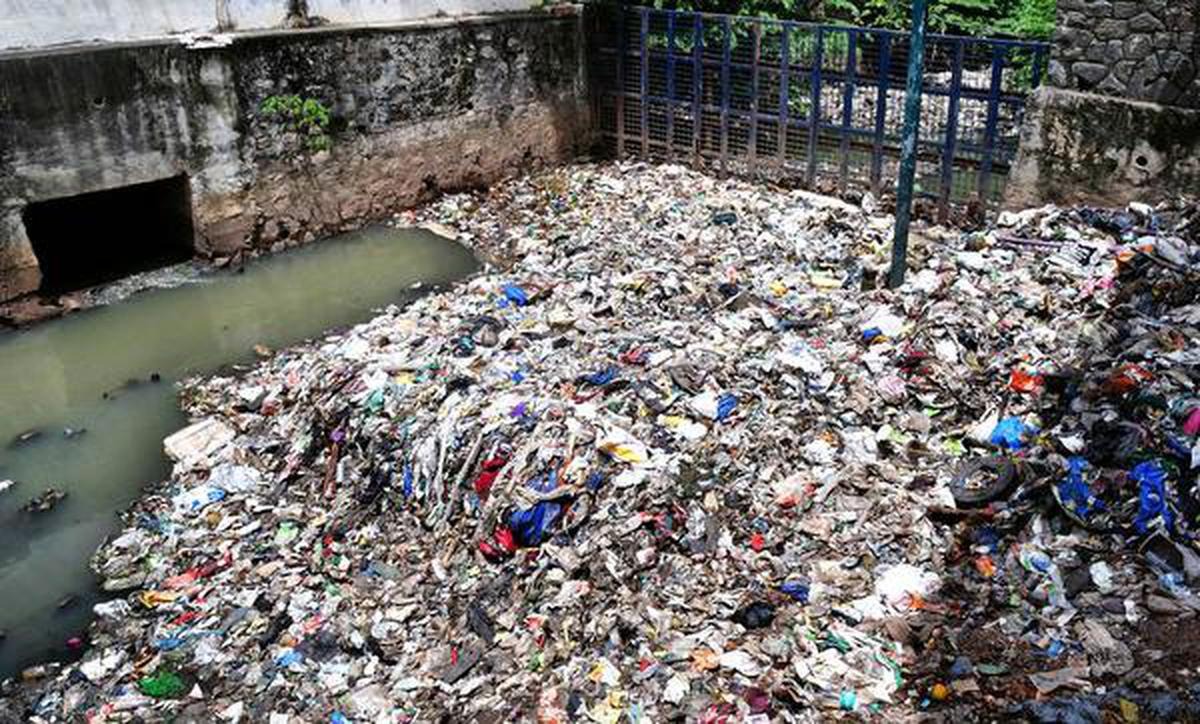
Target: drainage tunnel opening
x,y
89,239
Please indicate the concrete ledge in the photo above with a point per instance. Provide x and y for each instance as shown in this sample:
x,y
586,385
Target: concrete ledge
x,y
50,23
202,41
1085,148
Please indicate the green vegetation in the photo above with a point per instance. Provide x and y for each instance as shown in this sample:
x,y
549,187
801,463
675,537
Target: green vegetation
x,y
1021,18
1032,19
307,117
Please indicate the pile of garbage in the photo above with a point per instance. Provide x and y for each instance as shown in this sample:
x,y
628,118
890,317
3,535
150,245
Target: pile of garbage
x,y
676,455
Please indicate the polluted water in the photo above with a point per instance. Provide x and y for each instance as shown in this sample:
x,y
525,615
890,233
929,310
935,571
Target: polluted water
x,y
88,399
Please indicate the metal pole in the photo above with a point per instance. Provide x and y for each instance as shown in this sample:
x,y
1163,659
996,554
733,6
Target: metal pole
x,y
908,146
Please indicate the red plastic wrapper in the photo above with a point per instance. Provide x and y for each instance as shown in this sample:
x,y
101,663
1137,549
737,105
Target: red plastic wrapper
x,y
1022,381
501,547
487,476
1127,378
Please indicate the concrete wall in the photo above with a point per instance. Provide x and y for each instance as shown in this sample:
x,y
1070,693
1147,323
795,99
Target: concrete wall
x,y
1119,117
1083,148
419,109
43,23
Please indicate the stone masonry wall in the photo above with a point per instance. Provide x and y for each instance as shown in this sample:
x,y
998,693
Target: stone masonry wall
x,y
1119,118
1146,50
417,109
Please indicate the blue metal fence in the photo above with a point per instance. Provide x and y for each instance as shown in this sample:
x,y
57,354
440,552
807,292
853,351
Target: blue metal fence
x,y
816,105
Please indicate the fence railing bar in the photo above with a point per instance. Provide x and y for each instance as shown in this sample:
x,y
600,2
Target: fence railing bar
x,y
726,43
885,69
671,84
848,88
1039,59
830,76
827,127
697,82
645,81
620,62
927,154
951,132
815,105
752,138
993,116
784,59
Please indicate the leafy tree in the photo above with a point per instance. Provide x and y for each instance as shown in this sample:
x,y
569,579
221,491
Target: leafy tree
x,y
1030,19
1023,18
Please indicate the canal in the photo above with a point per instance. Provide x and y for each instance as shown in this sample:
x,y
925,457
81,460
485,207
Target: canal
x,y
86,400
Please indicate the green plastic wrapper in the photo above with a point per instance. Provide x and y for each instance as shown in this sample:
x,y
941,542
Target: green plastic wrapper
x,y
162,685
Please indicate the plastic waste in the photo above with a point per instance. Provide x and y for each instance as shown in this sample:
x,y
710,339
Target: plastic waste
x,y
682,457
1010,433
162,685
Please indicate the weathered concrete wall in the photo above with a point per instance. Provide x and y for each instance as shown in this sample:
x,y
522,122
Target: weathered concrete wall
x,y
417,109
41,23
1145,51
1085,148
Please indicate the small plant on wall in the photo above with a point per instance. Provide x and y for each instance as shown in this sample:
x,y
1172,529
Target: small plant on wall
x,y
306,118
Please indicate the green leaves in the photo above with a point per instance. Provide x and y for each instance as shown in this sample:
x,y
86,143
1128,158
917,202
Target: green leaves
x,y
307,117
1022,18
1031,19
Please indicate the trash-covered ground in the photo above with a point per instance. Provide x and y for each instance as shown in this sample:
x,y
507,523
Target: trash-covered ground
x,y
676,457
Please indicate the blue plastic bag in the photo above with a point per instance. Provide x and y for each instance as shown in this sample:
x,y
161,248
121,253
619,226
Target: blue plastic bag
x,y
1152,496
1075,495
514,295
798,590
726,404
594,481
408,481
1009,432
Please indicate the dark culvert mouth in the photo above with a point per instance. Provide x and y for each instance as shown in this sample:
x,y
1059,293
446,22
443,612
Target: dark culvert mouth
x,y
89,239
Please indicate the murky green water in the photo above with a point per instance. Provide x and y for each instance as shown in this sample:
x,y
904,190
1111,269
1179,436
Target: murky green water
x,y
74,373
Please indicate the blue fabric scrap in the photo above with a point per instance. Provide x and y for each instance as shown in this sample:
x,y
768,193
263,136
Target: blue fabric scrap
x,y
601,378
530,526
